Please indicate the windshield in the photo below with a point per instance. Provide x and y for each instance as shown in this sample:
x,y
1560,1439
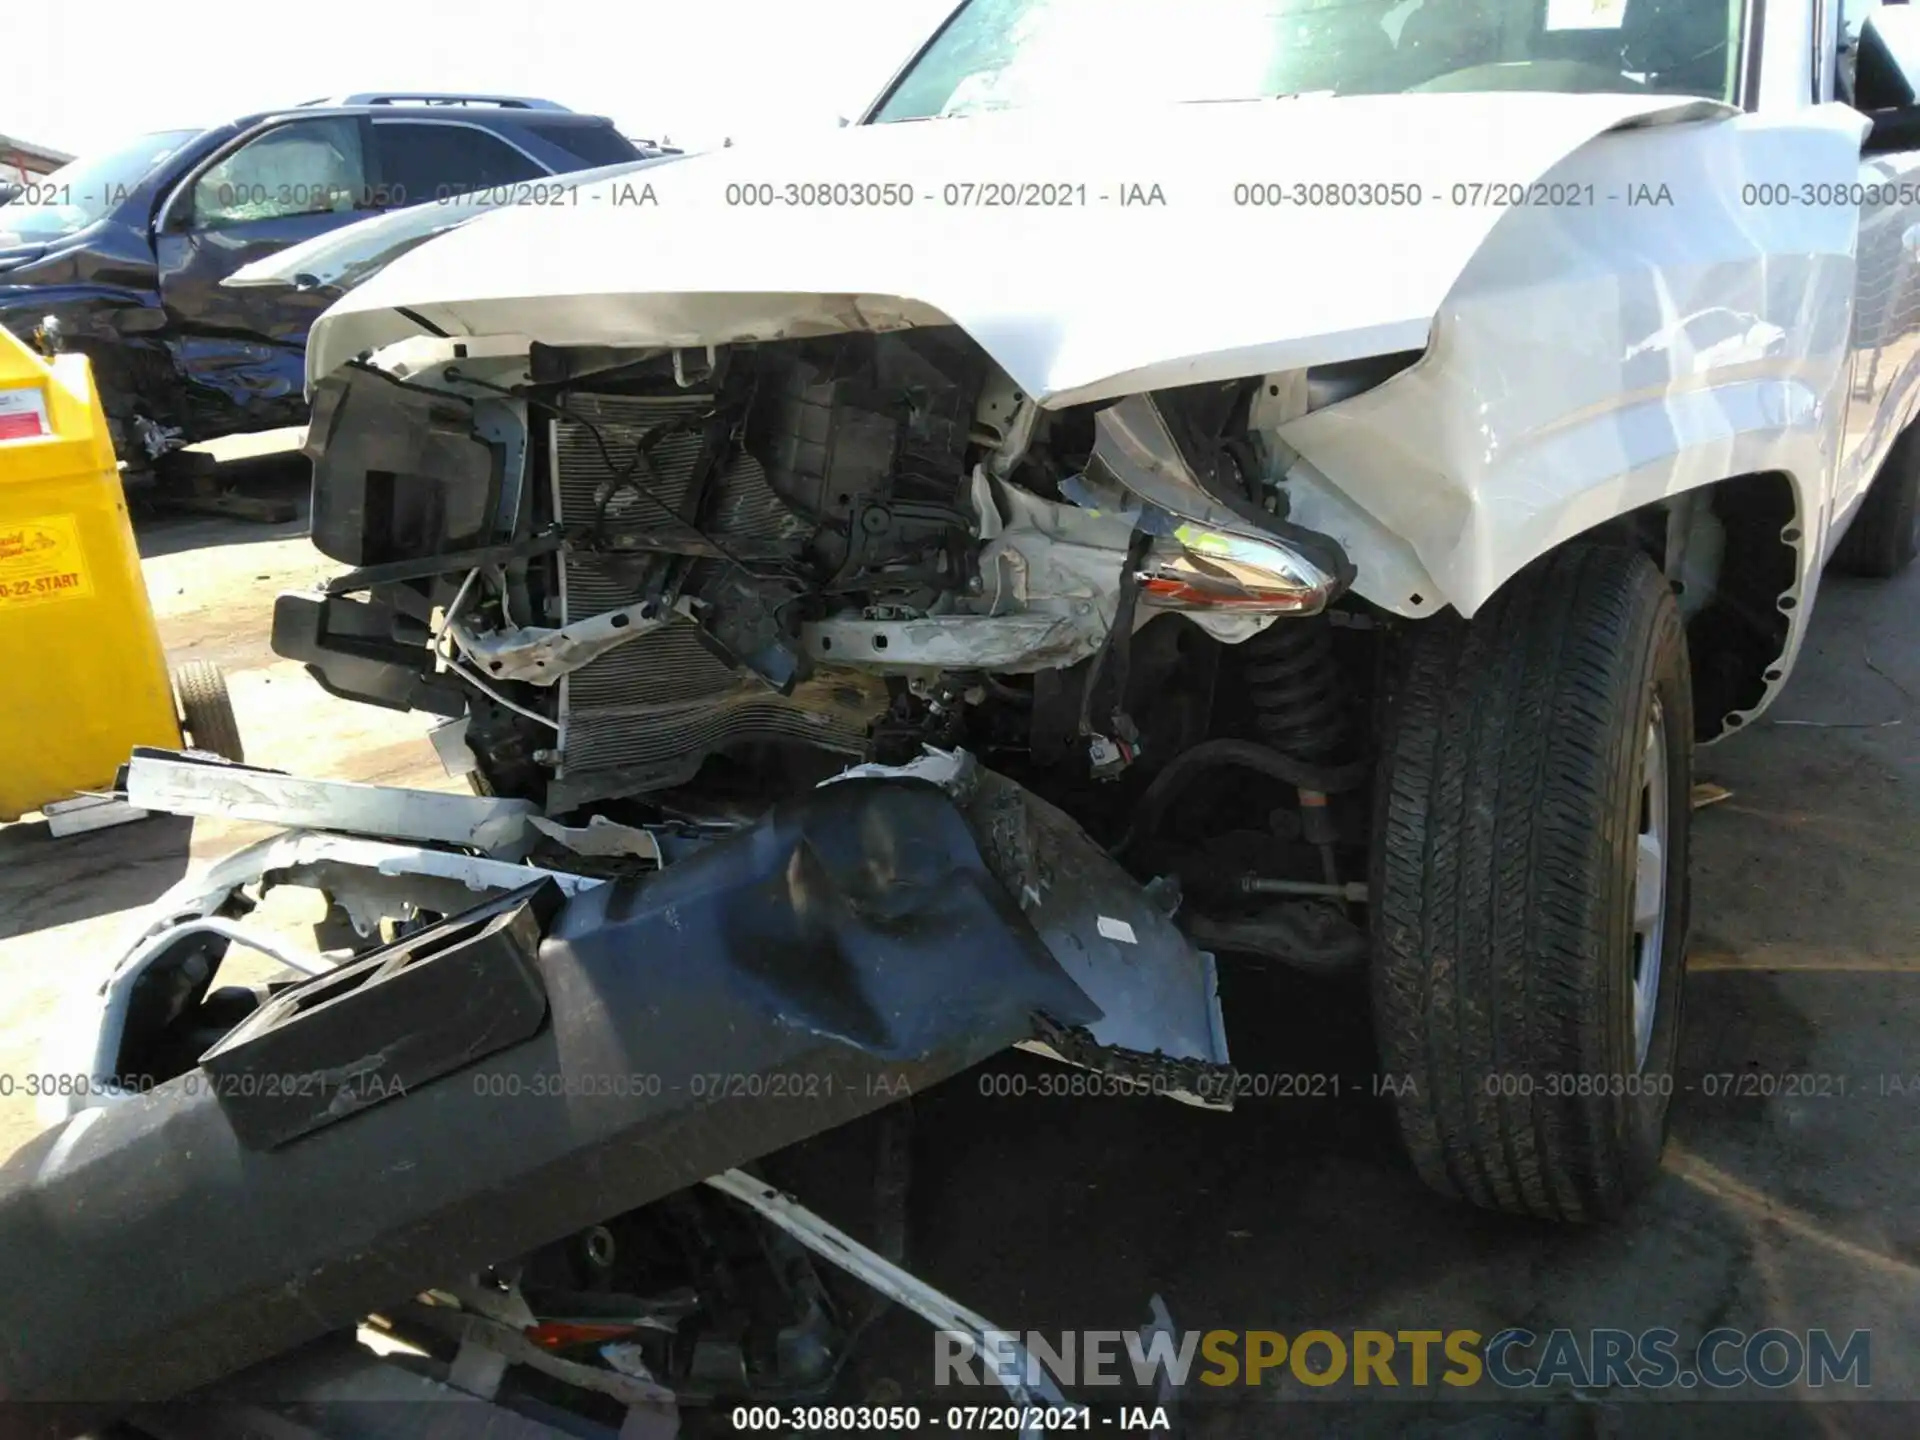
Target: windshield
x,y
1007,54
76,195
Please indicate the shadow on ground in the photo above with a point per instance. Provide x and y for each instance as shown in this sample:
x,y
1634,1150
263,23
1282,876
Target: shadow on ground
x,y
163,529
100,872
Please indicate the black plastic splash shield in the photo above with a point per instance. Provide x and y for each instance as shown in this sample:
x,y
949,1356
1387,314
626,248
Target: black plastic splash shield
x,y
852,941
389,1022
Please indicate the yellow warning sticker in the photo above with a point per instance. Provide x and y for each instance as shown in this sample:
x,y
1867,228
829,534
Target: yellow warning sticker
x,y
42,559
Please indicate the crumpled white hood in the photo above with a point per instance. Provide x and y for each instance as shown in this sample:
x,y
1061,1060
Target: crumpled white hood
x,y
1078,302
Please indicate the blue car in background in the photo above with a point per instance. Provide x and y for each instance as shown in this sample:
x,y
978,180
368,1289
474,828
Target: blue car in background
x,y
124,251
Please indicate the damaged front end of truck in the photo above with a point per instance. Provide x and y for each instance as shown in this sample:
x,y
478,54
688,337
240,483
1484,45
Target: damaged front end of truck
x,y
723,889
872,645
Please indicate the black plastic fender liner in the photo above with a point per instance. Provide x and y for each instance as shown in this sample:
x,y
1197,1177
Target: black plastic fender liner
x,y
776,984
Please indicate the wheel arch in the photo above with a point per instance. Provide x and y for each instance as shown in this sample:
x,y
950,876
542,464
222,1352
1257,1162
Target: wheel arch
x,y
1738,555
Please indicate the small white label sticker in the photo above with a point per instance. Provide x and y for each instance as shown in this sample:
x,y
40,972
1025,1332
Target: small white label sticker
x,y
23,415
1117,930
1586,14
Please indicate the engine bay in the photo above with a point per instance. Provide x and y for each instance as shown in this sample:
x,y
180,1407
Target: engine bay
x,y
792,547
684,585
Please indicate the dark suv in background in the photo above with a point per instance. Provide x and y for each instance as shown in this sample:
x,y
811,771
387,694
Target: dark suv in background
x,y
124,251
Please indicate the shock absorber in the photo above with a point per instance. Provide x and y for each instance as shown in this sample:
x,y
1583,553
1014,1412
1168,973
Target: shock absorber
x,y
1296,687
1300,704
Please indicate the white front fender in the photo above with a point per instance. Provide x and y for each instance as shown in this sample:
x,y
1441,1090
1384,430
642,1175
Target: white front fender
x,y
1634,331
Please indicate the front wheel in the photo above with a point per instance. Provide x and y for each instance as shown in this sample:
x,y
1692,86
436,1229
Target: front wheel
x,y
1530,887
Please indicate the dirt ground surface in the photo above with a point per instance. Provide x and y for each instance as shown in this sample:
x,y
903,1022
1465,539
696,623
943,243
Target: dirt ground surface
x,y
1791,1190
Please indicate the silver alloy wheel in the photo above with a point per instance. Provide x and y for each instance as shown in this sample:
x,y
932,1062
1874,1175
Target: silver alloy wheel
x,y
1650,886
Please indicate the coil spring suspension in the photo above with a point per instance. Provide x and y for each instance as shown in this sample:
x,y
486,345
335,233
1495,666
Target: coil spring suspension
x,y
1300,704
1298,694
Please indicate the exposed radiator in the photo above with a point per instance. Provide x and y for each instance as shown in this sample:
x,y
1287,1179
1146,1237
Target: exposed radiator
x,y
654,708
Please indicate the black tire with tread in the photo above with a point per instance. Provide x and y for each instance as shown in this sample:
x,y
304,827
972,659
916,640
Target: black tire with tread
x,y
206,712
1881,541
1505,840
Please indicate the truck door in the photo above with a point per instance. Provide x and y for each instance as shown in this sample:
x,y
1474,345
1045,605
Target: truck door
x,y
277,186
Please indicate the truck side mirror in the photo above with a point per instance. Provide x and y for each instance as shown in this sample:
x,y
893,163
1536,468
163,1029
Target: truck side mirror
x,y
1887,73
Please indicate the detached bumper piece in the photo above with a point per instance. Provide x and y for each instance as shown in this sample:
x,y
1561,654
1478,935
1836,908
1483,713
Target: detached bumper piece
x,y
387,1023
852,942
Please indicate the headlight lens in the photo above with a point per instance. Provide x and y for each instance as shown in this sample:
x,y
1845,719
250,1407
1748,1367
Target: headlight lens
x,y
1196,568
1206,554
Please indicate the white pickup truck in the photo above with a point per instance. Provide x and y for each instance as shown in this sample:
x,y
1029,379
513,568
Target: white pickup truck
x,y
1176,482
1345,456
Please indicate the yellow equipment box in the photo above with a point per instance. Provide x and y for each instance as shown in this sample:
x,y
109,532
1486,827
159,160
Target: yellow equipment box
x,y
82,671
